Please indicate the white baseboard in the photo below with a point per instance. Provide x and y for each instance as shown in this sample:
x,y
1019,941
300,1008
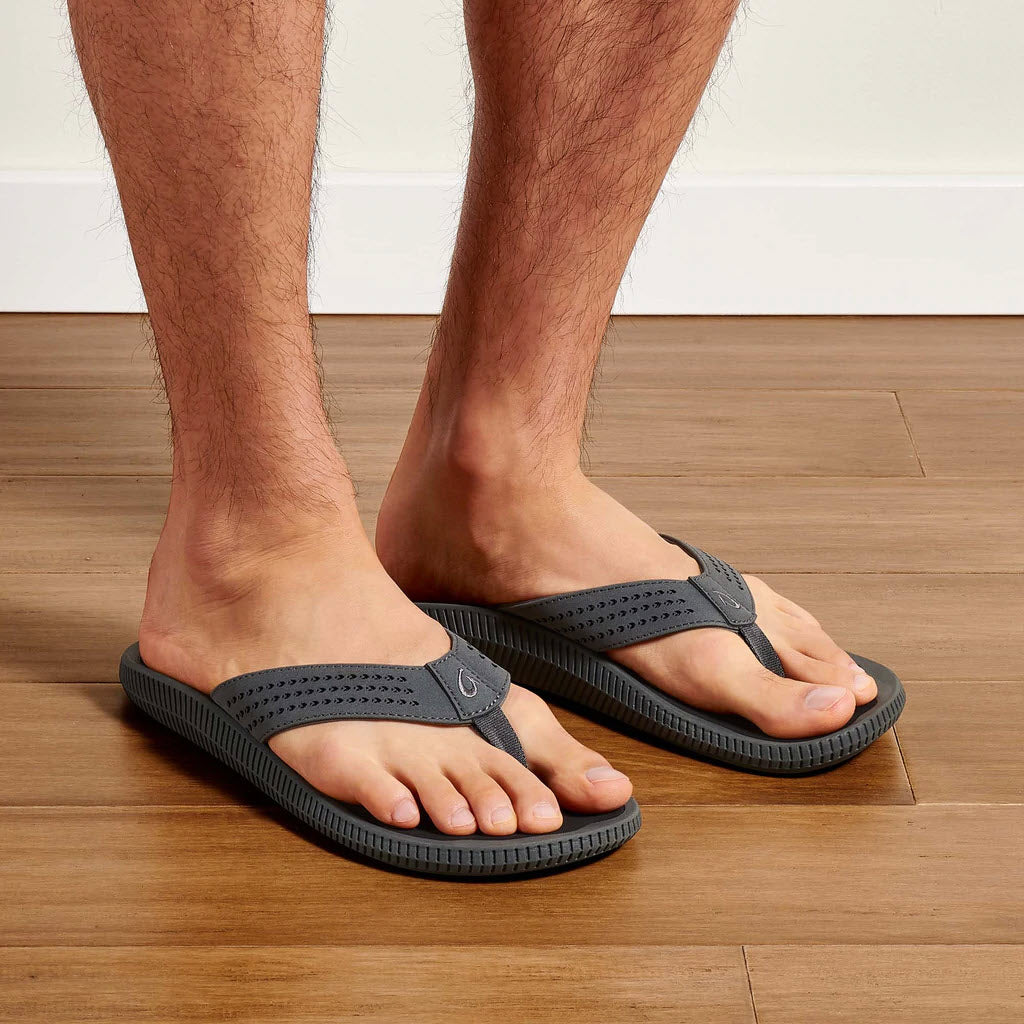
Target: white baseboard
x,y
717,245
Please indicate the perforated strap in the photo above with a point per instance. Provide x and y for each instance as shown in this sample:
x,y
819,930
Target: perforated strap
x,y
606,618
462,687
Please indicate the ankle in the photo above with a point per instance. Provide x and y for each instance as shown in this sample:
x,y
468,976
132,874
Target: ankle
x,y
217,538
485,445
449,525
226,598
224,575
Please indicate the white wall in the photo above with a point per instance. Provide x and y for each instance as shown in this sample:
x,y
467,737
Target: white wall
x,y
813,88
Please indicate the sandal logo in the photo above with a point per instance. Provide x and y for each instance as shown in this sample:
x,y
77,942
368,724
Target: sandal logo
x,y
467,684
727,601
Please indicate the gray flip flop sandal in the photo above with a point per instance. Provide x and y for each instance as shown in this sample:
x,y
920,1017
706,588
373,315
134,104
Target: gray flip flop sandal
x,y
555,645
461,688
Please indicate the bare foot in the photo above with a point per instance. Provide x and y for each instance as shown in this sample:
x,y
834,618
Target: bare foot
x,y
445,534
220,604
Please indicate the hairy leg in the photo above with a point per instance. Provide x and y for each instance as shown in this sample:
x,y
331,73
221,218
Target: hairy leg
x,y
580,107
209,111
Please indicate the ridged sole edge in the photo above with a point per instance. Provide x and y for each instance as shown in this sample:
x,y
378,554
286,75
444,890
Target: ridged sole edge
x,y
541,660
195,717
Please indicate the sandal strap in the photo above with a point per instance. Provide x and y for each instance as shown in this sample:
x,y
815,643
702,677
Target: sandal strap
x,y
463,687
614,616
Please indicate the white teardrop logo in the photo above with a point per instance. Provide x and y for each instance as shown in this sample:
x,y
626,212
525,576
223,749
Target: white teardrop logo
x,y
728,602
467,684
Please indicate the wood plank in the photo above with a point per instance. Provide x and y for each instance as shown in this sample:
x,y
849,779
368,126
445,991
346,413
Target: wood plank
x,y
693,876
126,431
123,431
668,432
123,758
115,350
67,627
101,523
51,350
968,433
120,755
813,525
923,626
72,627
962,742
909,984
84,431
815,351
44,350
636,432
374,351
93,523
80,523
380,983
664,777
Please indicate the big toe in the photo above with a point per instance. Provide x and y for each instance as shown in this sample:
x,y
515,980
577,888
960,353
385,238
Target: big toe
x,y
792,709
735,681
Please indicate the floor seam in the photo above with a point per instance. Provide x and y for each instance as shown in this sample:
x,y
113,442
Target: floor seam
x,y
906,767
910,432
750,985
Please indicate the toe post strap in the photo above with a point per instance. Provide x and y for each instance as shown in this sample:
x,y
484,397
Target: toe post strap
x,y
606,618
727,589
477,687
462,687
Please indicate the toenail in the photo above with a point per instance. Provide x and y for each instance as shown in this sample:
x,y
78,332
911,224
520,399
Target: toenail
x,y
545,811
462,817
405,810
604,773
862,682
823,697
500,815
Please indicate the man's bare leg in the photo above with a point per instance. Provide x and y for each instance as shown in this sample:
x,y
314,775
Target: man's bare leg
x,y
209,110
580,106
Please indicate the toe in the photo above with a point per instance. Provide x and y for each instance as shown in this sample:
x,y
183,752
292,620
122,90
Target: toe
x,y
387,799
765,593
798,613
792,709
788,708
810,654
376,789
865,688
863,685
828,673
491,805
835,669
815,643
582,779
448,809
535,805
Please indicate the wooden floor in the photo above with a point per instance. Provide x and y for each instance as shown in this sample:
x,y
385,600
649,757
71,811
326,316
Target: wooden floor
x,y
872,469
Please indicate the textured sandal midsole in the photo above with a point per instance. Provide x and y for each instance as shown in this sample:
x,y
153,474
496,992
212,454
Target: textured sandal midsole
x,y
542,660
194,716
